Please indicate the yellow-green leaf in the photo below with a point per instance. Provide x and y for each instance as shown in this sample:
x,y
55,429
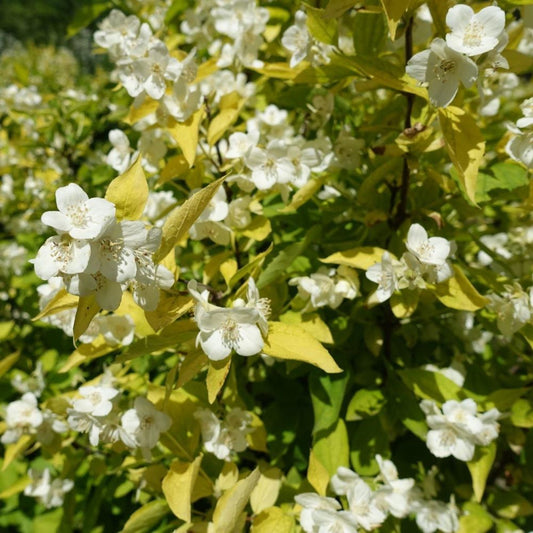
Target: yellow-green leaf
x,y
394,11
259,229
5,329
183,217
311,322
332,449
191,366
336,8
216,376
266,491
289,341
362,257
137,113
15,449
475,520
522,413
146,518
230,107
458,293
304,194
232,503
186,135
480,467
178,486
86,311
169,309
8,361
273,520
465,145
404,304
60,302
228,269
317,474
15,488
320,27
129,192
176,166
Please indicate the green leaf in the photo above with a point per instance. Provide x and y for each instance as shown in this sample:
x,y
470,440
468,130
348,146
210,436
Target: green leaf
x,y
510,504
183,217
365,403
327,395
431,385
367,440
337,8
281,263
522,413
394,11
86,12
465,145
145,519
288,341
8,361
475,520
232,503
458,293
480,467
331,447
129,192
178,487
321,28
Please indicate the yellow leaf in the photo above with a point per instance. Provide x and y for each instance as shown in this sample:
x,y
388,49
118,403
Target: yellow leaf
x,y
281,71
266,491
317,474
230,107
15,449
128,306
146,518
362,257
394,10
216,376
228,477
458,293
15,488
273,520
311,322
228,269
6,328
129,192
178,485
289,341
257,439
175,167
304,194
186,135
192,365
137,113
465,145
170,308
480,467
86,311
8,361
259,229
183,217
60,302
404,304
232,503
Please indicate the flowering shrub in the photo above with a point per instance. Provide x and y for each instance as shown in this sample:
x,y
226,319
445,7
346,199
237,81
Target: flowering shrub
x,y
268,269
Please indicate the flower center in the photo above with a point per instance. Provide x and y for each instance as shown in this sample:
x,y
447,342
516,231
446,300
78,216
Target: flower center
x,y
146,422
230,332
78,215
445,67
473,34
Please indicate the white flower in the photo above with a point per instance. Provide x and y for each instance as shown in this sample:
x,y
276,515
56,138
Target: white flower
x,y
223,330
429,251
117,329
395,494
363,506
514,308
384,274
474,34
79,216
434,516
334,521
240,144
442,69
22,416
120,156
454,431
271,166
297,40
95,400
310,503
145,423
520,148
343,480
527,109
62,254
50,494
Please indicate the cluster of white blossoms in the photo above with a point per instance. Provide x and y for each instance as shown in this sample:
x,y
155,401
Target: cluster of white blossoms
x,y
47,491
426,261
452,61
23,417
327,287
269,156
229,29
222,437
513,307
520,146
96,411
94,253
302,46
225,329
370,503
458,428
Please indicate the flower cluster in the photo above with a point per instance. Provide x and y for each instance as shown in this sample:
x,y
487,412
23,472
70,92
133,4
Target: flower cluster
x,y
49,492
426,261
96,411
513,307
94,253
222,437
457,429
369,504
239,328
448,62
327,287
520,146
